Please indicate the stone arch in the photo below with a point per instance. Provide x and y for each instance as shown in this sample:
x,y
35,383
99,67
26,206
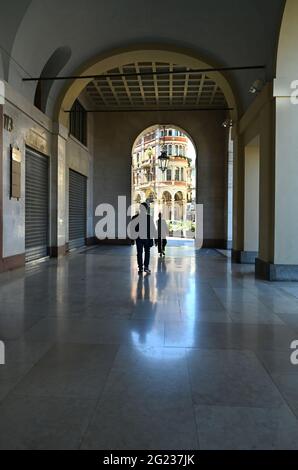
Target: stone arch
x,y
167,197
159,53
178,196
287,53
138,199
208,136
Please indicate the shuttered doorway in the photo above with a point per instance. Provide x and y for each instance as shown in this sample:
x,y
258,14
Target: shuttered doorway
x,y
36,206
77,209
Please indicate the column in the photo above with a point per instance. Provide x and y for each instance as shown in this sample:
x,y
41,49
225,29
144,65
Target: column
x,y
251,202
278,257
238,198
58,192
2,101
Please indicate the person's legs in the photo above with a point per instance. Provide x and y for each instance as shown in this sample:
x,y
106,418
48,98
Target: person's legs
x,y
147,254
140,247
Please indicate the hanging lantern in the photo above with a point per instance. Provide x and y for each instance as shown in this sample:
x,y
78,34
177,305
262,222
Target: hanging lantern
x,y
163,159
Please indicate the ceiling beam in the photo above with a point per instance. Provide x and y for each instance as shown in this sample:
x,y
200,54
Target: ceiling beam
x,y
213,93
171,84
185,87
201,88
126,86
113,90
100,92
155,82
140,82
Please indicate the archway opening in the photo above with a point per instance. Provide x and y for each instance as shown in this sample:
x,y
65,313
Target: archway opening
x,y
135,89
171,192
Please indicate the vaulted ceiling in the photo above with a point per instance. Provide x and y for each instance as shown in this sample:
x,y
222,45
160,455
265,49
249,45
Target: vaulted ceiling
x,y
225,33
148,85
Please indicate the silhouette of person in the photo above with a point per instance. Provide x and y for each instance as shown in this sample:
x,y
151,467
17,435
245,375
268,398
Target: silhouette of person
x,y
145,230
163,231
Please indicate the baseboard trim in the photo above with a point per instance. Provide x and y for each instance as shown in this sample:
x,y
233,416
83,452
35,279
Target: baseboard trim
x,y
113,242
90,241
215,243
276,272
244,257
57,251
12,262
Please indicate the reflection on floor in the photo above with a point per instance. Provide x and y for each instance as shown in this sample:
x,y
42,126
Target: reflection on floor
x,y
195,356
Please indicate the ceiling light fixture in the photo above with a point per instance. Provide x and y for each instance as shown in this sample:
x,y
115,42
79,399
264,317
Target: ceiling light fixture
x,y
256,87
227,123
163,159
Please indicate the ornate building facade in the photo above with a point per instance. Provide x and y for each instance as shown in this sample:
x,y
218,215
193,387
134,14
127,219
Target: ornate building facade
x,y
171,192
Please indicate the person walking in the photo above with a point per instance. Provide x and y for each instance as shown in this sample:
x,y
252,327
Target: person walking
x,y
145,231
162,231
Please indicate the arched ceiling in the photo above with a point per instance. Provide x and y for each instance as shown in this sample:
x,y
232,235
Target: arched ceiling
x,y
208,88
227,33
149,91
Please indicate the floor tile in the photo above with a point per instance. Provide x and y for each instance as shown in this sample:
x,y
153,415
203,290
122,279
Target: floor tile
x,y
231,378
70,370
144,408
30,423
240,428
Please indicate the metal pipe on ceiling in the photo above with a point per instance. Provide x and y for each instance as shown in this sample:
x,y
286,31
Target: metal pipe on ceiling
x,y
149,73
138,110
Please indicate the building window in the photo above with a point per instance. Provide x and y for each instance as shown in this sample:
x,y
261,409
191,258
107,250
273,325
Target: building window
x,y
78,122
170,150
169,175
182,174
177,174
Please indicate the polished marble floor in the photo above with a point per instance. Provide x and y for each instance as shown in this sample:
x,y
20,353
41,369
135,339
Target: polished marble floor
x,y
195,356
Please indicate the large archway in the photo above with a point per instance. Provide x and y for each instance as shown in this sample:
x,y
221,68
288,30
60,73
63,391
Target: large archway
x,y
158,55
139,88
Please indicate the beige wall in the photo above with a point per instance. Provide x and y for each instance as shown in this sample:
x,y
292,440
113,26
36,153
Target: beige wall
x,y
115,134
80,158
257,123
33,129
251,197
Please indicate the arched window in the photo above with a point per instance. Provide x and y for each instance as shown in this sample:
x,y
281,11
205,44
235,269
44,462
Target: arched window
x,y
170,150
78,122
176,150
169,174
177,174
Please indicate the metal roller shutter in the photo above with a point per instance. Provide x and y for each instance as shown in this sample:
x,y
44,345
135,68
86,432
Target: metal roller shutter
x,y
36,206
77,209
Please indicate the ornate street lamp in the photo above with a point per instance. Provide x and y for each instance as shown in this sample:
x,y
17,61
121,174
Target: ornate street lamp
x,y
163,159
